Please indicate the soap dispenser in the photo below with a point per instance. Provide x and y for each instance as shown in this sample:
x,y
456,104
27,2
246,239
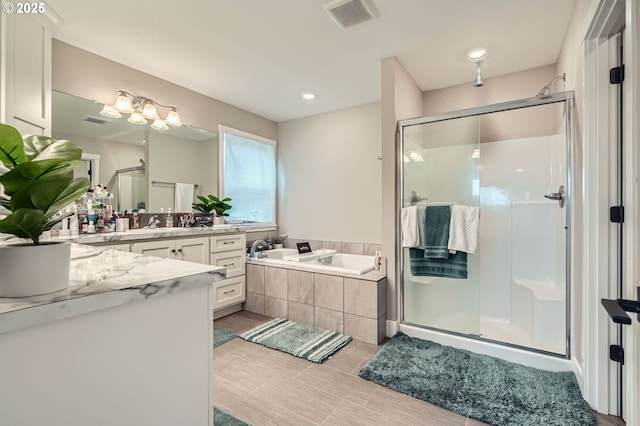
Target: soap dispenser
x,y
168,220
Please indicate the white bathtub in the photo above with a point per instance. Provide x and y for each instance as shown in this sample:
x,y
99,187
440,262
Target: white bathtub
x,y
338,263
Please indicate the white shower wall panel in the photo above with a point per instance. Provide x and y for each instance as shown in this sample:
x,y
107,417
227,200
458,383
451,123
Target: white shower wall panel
x,y
519,171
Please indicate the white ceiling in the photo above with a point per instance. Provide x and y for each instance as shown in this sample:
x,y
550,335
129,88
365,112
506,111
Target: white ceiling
x,y
261,55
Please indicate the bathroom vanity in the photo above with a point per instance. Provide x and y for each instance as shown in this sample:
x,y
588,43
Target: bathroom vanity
x,y
223,246
129,342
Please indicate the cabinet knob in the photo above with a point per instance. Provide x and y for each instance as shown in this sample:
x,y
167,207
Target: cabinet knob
x,y
179,250
173,250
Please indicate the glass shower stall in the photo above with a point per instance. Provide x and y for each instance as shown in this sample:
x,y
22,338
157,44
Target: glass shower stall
x,y
502,172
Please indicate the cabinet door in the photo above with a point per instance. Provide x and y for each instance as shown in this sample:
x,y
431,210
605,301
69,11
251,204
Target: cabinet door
x,y
193,250
164,249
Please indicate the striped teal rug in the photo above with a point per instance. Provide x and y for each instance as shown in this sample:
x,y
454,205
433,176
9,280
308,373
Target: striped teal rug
x,y
301,340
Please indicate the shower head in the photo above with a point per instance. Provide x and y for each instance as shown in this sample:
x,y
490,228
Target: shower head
x,y
546,89
479,80
142,162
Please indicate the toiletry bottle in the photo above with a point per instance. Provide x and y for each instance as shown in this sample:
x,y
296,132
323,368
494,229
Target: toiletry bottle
x,y
136,221
91,229
84,227
377,261
100,222
168,221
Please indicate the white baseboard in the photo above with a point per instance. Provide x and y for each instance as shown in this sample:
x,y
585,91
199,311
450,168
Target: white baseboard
x,y
577,370
392,328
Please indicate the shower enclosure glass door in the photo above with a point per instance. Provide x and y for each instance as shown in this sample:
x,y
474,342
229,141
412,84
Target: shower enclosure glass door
x,y
499,174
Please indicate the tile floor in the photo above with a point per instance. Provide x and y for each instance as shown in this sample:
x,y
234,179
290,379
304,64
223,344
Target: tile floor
x,y
266,387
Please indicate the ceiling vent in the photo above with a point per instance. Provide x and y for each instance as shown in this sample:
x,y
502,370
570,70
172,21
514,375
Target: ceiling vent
x,y
95,120
348,13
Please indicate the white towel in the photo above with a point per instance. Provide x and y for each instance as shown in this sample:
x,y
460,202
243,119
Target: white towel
x,y
463,229
184,197
409,221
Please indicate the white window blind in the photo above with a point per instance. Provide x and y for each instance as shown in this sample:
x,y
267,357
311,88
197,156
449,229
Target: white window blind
x,y
248,176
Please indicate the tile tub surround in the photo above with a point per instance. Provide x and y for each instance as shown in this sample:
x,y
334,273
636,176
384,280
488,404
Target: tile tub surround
x,y
104,278
355,305
365,249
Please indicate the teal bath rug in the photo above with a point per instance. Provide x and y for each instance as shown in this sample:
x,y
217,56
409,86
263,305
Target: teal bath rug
x,y
478,386
301,340
221,418
221,336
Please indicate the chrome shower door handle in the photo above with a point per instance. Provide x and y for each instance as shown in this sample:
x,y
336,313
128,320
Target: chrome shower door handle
x,y
559,196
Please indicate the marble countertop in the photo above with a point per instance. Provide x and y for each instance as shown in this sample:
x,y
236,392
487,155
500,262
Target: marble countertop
x,y
103,278
149,233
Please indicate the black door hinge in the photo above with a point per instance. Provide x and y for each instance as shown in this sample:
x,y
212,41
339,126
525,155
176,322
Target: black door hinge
x,y
616,214
616,353
616,75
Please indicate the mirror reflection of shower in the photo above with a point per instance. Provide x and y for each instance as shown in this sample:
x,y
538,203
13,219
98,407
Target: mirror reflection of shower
x,y
130,188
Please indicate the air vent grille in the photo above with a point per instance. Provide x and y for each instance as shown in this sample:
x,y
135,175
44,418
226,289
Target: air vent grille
x,y
95,120
348,13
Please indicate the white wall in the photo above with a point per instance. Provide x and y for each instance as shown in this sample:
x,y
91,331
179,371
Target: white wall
x,y
508,87
401,99
89,76
329,176
113,155
171,159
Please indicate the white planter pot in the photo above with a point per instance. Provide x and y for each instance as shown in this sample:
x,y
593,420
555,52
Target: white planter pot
x,y
218,220
28,270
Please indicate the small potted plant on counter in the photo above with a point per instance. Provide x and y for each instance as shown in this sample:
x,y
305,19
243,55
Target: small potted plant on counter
x,y
212,204
35,191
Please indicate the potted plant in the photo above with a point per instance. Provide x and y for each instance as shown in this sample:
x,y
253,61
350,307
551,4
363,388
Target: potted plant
x,y
34,190
212,204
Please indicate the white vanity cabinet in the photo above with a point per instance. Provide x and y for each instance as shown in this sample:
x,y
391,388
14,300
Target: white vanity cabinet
x,y
229,251
187,249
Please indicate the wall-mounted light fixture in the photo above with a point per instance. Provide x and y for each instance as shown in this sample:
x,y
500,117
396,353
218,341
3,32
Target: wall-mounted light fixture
x,y
141,110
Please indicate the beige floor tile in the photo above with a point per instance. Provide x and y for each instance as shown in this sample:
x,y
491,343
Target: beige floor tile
x,y
235,401
388,402
289,418
309,402
350,388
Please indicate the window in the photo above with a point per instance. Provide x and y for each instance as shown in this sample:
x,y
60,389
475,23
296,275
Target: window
x,y
248,176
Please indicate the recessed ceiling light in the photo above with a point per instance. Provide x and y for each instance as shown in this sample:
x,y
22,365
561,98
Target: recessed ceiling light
x,y
308,96
476,54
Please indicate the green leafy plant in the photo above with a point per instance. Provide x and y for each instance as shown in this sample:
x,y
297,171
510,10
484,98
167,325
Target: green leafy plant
x,y
211,203
35,188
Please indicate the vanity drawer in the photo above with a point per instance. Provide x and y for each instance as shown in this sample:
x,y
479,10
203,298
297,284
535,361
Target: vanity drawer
x,y
234,261
228,242
229,292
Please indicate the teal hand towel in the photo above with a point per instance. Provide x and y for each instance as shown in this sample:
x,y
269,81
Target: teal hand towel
x,y
453,267
436,232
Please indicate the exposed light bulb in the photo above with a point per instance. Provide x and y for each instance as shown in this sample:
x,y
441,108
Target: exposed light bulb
x,y
308,96
476,54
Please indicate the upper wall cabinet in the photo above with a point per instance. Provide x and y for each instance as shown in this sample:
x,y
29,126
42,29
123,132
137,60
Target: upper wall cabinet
x,y
25,69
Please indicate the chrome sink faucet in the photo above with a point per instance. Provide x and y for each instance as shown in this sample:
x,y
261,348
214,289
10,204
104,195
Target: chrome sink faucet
x,y
153,222
256,243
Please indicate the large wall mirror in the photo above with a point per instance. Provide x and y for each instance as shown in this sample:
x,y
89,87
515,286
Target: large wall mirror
x,y
138,164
